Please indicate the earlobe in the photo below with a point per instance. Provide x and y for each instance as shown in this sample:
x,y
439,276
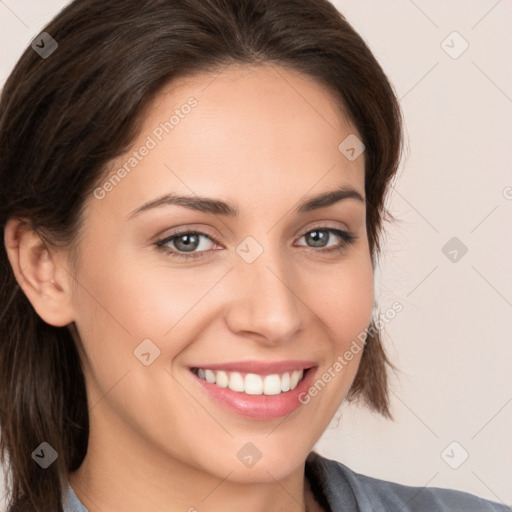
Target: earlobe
x,y
35,264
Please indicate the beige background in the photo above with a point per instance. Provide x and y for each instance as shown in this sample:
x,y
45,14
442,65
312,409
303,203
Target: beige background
x,y
452,341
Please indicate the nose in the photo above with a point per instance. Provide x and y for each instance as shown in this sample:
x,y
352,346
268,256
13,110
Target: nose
x,y
265,304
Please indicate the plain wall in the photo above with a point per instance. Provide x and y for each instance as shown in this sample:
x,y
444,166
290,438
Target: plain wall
x,y
451,341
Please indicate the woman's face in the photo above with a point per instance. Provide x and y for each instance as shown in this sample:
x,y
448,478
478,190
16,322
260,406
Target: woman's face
x,y
268,286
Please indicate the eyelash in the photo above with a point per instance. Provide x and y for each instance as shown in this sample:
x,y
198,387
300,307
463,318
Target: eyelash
x,y
347,239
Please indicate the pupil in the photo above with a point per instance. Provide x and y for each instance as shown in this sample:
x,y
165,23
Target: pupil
x,y
189,241
317,236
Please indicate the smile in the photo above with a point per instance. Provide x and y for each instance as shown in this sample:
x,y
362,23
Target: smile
x,y
258,390
252,383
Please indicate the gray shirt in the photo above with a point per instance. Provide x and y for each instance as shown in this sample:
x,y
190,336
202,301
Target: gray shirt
x,y
339,489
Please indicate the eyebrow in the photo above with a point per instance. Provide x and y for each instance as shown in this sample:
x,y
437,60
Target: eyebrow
x,y
217,207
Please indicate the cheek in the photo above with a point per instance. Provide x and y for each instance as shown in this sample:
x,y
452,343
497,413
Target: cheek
x,y
345,301
138,300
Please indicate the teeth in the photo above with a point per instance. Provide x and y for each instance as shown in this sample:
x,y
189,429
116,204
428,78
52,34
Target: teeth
x,y
294,379
253,384
236,383
285,382
272,385
209,376
222,379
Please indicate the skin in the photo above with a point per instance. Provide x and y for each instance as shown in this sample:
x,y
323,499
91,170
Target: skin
x,y
262,137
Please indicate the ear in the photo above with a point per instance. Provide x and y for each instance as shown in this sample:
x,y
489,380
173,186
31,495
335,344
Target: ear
x,y
40,271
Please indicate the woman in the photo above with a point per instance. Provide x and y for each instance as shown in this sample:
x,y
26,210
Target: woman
x,y
192,195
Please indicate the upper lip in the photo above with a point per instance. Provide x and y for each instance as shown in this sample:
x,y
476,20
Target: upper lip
x,y
259,367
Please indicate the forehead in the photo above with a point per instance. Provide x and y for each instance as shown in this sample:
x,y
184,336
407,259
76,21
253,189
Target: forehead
x,y
254,104
258,132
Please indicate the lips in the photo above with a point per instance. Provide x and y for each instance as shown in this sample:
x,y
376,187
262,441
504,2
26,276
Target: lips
x,y
254,389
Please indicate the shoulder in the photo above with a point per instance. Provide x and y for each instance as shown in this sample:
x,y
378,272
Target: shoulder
x,y
347,490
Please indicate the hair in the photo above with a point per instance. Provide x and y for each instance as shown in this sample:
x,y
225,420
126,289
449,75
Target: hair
x,y
64,118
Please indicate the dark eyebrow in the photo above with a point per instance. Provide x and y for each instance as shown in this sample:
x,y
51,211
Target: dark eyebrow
x,y
330,198
217,207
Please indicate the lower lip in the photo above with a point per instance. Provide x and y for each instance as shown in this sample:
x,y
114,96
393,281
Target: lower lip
x,y
258,407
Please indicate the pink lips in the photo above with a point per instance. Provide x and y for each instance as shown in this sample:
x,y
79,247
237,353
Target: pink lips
x,y
258,407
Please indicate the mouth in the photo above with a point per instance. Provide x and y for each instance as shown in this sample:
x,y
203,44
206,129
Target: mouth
x,y
256,390
252,383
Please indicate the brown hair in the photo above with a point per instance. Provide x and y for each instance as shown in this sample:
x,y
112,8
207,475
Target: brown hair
x,y
65,117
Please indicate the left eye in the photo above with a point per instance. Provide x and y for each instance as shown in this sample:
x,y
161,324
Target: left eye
x,y
186,243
